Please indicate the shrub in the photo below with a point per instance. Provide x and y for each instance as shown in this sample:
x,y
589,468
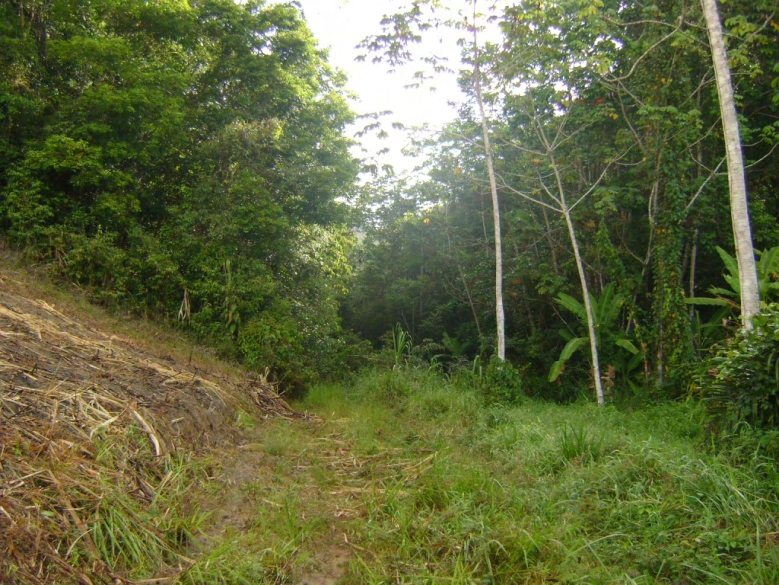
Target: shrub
x,y
273,339
502,382
740,383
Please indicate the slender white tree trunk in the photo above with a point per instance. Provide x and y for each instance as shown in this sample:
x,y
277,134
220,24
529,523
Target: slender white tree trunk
x,y
739,210
582,280
499,313
588,308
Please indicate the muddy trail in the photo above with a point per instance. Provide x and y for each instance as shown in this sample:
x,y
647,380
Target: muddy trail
x,y
122,464
264,485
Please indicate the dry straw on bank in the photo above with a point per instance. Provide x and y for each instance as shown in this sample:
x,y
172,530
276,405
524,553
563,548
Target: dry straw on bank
x,y
91,423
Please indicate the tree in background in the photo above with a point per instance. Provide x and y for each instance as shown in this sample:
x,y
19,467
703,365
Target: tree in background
x,y
500,320
626,92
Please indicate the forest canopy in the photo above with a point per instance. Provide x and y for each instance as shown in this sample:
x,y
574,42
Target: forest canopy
x,y
608,156
190,161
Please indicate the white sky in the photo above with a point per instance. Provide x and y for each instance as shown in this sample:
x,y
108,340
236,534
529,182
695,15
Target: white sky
x,y
340,25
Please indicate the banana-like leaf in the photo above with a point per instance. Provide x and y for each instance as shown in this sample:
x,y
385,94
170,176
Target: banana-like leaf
x,y
571,347
605,308
706,301
565,355
556,370
573,305
729,261
769,261
767,270
608,306
628,345
723,292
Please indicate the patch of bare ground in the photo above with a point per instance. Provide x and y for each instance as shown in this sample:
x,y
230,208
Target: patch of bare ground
x,y
91,424
290,490
293,493
335,560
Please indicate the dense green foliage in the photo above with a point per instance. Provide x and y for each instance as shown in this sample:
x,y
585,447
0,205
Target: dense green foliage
x,y
182,155
742,383
613,106
187,160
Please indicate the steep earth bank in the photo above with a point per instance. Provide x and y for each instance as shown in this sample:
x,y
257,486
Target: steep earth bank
x,y
98,435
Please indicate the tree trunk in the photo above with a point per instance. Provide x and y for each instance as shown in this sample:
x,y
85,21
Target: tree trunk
x,y
693,261
499,314
585,294
739,210
566,211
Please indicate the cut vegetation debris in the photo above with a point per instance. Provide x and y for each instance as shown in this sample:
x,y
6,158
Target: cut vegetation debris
x,y
95,437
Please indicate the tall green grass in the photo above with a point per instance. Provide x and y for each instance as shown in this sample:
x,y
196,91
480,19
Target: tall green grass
x,y
140,538
544,493
424,479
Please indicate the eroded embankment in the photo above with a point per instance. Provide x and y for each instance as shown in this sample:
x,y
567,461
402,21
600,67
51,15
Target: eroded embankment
x,y
96,437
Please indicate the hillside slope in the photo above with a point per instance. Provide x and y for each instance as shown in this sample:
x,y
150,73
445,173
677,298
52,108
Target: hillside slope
x,y
96,437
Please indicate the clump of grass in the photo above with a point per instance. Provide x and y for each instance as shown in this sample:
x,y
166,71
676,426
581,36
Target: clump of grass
x,y
223,565
141,536
126,541
244,420
125,513
579,444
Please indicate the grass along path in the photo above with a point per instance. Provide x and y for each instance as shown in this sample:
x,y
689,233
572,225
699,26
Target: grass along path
x,y
405,478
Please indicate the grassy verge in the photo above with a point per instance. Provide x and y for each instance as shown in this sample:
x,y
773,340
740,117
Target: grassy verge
x,y
425,484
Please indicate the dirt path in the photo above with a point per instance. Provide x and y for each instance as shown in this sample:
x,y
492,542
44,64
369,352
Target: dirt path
x,y
298,482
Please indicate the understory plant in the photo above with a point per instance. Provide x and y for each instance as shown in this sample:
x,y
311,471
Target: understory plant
x,y
618,351
502,382
767,268
740,382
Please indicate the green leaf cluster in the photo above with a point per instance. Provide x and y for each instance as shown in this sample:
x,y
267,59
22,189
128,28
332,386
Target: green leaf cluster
x,y
767,275
740,382
606,308
159,150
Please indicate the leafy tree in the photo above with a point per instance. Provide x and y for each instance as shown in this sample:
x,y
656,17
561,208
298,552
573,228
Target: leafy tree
x,y
155,150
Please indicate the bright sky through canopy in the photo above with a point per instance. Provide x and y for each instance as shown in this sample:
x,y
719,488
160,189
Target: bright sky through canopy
x,y
340,25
